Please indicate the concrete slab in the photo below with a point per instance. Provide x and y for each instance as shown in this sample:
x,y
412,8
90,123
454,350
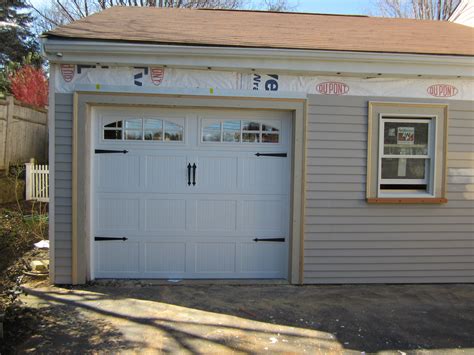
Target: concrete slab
x,y
136,317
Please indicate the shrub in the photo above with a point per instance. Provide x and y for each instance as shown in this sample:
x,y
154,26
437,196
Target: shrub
x,y
30,86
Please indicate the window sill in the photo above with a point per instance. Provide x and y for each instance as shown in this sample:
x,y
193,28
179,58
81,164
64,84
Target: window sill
x,y
407,200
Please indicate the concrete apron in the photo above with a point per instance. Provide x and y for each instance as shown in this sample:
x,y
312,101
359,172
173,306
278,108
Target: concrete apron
x,y
155,326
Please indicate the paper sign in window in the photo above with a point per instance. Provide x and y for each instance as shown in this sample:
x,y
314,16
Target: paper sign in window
x,y
406,135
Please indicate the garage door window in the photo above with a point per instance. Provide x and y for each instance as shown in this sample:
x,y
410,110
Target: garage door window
x,y
239,131
144,129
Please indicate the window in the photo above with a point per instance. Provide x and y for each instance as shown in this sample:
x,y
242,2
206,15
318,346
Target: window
x,y
144,129
406,152
240,131
406,155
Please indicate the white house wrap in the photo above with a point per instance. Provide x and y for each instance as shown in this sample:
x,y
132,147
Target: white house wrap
x,y
143,77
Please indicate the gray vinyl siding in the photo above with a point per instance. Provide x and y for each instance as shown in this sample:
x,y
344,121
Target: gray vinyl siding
x,y
63,187
350,241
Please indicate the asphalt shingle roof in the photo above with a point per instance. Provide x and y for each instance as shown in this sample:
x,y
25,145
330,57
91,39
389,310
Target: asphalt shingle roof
x,y
271,30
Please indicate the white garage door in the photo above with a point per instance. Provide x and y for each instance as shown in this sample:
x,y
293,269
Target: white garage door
x,y
191,194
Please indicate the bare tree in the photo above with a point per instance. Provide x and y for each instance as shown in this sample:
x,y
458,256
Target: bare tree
x,y
54,13
419,9
278,5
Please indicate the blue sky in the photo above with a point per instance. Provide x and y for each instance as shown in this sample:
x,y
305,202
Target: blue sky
x,y
360,7
352,7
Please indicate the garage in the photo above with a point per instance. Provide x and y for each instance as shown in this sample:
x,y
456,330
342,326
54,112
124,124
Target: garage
x,y
182,193
306,148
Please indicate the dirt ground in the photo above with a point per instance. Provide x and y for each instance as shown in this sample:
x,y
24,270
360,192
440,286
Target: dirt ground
x,y
135,316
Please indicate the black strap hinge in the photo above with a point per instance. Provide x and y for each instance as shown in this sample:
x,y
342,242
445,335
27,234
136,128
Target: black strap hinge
x,y
281,240
102,239
110,151
282,155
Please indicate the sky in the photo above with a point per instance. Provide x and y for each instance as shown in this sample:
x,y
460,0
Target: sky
x,y
352,7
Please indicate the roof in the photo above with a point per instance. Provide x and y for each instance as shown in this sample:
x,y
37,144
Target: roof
x,y
259,29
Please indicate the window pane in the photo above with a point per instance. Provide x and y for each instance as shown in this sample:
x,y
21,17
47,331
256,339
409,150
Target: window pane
x,y
211,133
133,123
268,128
232,125
112,134
231,136
153,124
406,138
153,135
133,135
401,168
113,124
231,131
250,126
250,137
153,129
270,138
173,131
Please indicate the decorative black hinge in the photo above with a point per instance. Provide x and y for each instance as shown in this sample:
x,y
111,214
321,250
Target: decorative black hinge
x,y
101,239
109,151
283,155
281,240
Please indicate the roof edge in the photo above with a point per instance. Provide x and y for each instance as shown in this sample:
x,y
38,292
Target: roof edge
x,y
52,36
283,12
322,62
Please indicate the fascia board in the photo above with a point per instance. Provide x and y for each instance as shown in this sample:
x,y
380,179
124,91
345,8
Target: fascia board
x,y
259,59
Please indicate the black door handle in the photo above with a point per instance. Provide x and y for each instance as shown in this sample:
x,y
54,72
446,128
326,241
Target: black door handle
x,y
189,174
194,174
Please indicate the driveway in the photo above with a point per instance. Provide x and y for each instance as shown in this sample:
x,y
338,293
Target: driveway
x,y
135,316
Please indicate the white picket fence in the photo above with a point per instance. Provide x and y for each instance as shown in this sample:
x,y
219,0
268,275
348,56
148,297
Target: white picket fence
x,y
37,182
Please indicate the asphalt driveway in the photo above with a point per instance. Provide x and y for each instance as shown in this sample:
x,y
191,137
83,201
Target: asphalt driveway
x,y
134,316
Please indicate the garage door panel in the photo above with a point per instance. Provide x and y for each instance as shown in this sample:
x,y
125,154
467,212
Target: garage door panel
x,y
165,257
118,172
215,258
264,175
263,215
165,215
119,214
216,215
118,257
216,174
166,173
263,257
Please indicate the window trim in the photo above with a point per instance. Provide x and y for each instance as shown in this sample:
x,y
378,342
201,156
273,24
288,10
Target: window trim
x,y
436,111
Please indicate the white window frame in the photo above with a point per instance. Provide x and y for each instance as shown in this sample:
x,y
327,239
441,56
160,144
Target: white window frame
x,y
176,120
430,158
221,121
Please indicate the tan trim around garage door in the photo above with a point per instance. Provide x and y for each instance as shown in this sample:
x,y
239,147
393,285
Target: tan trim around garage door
x,y
81,201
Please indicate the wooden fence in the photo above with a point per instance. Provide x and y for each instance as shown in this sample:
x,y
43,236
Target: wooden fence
x,y
23,133
37,182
